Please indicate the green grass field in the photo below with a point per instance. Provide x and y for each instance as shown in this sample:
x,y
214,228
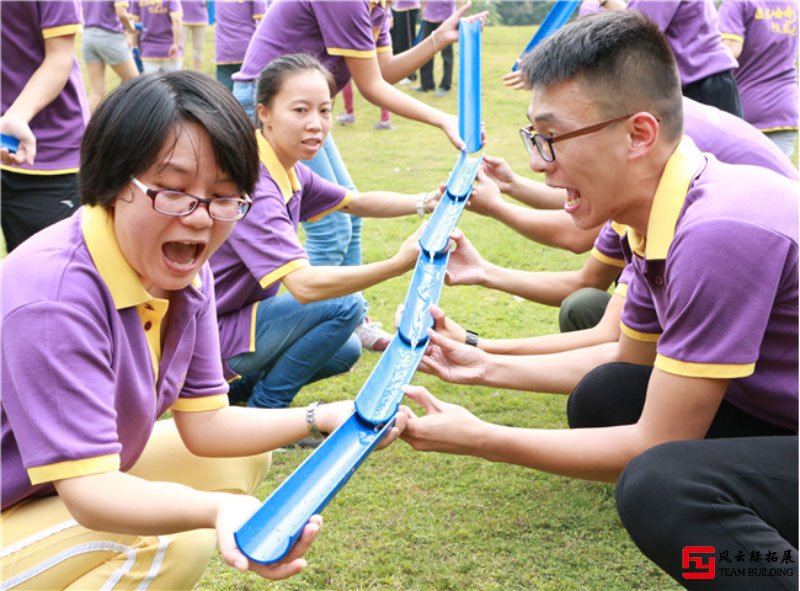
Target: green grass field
x,y
409,520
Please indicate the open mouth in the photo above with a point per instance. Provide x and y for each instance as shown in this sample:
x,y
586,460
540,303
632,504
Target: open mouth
x,y
572,201
182,255
313,142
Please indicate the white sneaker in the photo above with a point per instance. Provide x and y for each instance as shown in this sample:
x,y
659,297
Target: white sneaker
x,y
405,82
372,336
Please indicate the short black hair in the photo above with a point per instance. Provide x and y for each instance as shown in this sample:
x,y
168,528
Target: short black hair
x,y
624,60
131,127
271,78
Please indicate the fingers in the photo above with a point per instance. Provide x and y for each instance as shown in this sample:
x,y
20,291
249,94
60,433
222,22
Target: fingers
x,y
398,314
425,399
310,532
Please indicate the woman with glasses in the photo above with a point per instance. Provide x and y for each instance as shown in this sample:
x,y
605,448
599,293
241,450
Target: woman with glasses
x,y
280,342
109,321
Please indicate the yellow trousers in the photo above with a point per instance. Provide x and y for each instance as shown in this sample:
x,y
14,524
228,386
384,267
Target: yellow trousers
x,y
44,548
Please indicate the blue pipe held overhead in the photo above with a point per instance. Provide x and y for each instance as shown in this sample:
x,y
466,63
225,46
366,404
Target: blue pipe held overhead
x,y
555,19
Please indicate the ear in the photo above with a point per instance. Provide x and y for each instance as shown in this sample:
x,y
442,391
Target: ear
x,y
264,115
643,133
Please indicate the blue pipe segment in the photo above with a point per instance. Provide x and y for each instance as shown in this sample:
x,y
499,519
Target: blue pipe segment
x,y
9,142
555,19
469,84
270,533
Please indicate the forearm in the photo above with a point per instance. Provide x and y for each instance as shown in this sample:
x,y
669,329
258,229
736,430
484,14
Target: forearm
x,y
557,373
176,30
124,18
311,284
401,65
546,287
381,204
121,503
551,228
551,343
536,194
382,94
47,81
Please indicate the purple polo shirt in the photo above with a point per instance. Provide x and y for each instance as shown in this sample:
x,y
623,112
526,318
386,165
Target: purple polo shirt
x,y
236,22
155,16
59,126
264,246
82,396
692,30
730,139
715,283
194,12
102,14
767,76
330,30
588,7
403,5
436,11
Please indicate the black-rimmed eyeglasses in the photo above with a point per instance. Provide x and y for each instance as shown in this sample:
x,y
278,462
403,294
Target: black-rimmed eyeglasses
x,y
544,143
177,204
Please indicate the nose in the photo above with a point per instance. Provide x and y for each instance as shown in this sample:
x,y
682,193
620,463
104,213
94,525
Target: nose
x,y
199,218
314,121
539,164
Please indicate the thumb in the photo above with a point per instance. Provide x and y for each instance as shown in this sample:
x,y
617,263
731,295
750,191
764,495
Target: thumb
x,y
425,399
461,11
438,316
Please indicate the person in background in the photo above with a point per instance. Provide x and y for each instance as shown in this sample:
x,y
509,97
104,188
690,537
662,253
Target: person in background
x,y
762,36
278,343
44,105
236,22
195,21
108,36
692,30
434,13
160,39
349,115
405,14
97,493
351,39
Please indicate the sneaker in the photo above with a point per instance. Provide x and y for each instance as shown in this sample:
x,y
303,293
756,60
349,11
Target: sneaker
x,y
372,336
422,89
346,119
383,125
405,82
442,92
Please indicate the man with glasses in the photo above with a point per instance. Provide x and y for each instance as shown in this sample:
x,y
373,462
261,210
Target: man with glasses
x,y
695,406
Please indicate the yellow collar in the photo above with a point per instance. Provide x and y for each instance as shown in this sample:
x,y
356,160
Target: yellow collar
x,y
668,202
287,179
124,284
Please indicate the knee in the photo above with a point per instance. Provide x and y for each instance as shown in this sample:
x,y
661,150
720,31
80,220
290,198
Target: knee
x,y
351,309
588,402
580,309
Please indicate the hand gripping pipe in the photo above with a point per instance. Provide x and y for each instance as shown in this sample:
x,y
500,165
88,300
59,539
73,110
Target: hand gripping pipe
x,y
555,19
272,531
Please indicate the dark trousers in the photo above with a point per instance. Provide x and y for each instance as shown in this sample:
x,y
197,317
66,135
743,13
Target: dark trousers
x,y
224,73
426,73
404,31
582,309
735,491
32,202
718,90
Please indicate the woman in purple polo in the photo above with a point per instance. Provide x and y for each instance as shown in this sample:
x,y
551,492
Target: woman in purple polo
x,y
280,342
236,21
195,21
160,39
109,321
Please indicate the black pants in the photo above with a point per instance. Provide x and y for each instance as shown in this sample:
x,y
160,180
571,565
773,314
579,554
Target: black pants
x,y
718,90
735,491
225,73
32,202
404,31
426,73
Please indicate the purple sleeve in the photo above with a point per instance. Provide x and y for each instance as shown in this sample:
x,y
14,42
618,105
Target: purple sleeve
x,y
607,247
344,25
660,12
720,299
68,411
732,15
258,7
266,239
204,376
175,6
320,196
385,35
589,7
133,9
639,319
59,14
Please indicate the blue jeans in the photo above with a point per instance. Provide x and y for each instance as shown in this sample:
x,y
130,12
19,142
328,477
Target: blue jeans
x,y
296,344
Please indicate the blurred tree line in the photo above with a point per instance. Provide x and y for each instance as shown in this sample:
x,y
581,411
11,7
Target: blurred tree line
x,y
514,12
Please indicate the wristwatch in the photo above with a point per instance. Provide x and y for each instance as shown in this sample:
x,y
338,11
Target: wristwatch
x,y
472,338
421,205
311,421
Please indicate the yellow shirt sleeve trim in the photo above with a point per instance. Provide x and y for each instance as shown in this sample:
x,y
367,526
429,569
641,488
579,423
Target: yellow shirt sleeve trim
x,y
621,290
73,468
733,37
62,30
204,403
384,49
124,3
39,172
345,200
644,337
704,370
771,129
604,258
282,271
365,53
252,344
